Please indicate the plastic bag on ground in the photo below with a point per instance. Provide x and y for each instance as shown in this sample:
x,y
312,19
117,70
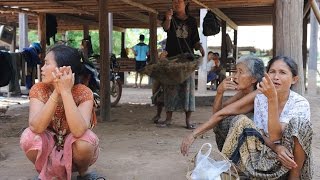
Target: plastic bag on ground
x,y
207,168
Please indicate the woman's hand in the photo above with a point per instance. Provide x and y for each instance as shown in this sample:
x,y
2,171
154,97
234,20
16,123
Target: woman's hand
x,y
56,75
186,142
285,157
266,87
226,84
169,14
64,79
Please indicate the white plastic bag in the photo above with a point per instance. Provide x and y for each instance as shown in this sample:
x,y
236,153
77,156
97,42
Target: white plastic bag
x,y
207,168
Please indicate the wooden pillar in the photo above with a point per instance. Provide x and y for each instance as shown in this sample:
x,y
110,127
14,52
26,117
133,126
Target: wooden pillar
x,y
313,53
42,38
42,33
202,71
104,61
123,45
23,31
224,53
305,49
85,31
153,37
288,34
235,42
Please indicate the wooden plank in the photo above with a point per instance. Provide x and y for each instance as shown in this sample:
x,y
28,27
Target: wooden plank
x,y
141,6
315,9
73,7
18,10
104,62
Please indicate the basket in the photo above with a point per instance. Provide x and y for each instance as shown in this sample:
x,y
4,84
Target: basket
x,y
231,174
173,71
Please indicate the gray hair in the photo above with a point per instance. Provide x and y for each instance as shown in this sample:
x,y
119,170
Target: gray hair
x,y
255,66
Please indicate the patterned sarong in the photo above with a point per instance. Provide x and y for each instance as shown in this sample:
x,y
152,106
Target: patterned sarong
x,y
245,146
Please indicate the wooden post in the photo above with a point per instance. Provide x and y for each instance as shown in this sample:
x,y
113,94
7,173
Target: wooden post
x,y
305,48
104,61
224,53
313,53
85,31
235,42
42,38
123,45
288,34
153,37
42,33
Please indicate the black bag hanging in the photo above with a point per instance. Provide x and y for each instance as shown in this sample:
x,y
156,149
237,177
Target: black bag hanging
x,y
211,25
6,70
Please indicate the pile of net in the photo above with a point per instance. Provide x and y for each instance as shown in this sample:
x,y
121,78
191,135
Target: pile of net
x,y
174,70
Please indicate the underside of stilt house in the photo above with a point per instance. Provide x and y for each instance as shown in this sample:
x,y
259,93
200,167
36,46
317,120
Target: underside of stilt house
x,y
72,14
288,17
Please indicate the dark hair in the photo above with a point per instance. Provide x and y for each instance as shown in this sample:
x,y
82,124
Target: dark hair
x,y
141,37
255,66
68,56
210,52
288,60
187,7
217,54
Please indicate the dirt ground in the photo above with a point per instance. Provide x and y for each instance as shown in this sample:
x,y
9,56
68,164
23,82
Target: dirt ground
x,y
132,147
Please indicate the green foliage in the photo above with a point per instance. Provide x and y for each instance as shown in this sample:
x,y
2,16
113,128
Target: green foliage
x,y
74,39
33,36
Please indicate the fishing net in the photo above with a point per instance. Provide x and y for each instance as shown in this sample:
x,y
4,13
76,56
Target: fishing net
x,y
174,70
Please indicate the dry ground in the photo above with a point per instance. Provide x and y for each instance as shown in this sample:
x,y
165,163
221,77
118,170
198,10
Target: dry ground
x,y
132,147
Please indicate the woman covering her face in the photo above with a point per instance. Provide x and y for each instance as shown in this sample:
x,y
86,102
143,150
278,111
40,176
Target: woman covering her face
x,y
59,137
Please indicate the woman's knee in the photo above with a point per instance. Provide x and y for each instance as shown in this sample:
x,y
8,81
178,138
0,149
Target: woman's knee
x,y
30,140
83,150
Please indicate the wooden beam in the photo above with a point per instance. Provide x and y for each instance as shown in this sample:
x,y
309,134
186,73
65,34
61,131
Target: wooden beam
x,y
140,6
18,10
136,16
139,17
75,8
315,9
77,19
219,13
306,8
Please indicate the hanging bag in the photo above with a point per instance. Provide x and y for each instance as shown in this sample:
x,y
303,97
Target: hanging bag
x,y
210,25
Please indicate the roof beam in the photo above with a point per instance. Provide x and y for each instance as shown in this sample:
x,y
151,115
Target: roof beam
x,y
86,22
18,10
140,6
78,9
138,16
219,13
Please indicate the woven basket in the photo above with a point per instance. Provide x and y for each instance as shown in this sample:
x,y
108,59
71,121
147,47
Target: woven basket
x,y
231,174
173,71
